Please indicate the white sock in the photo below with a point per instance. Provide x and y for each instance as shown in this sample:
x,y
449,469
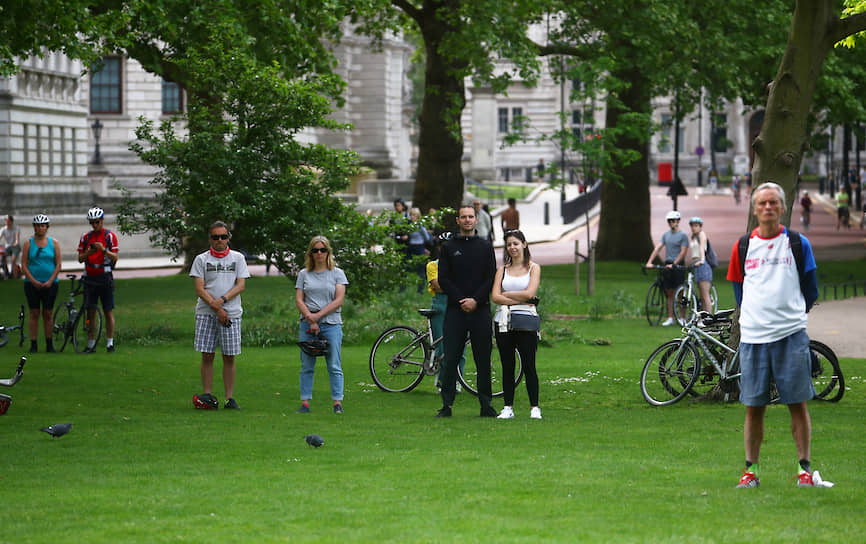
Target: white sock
x,y
109,343
91,343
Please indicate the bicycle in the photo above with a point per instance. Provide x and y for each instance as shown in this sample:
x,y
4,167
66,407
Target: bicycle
x,y
656,300
689,366
402,356
4,330
687,297
71,323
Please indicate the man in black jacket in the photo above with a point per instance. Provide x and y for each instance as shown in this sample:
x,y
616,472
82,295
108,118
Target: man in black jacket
x,y
466,270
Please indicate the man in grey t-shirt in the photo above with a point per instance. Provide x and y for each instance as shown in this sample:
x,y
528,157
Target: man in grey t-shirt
x,y
220,278
676,244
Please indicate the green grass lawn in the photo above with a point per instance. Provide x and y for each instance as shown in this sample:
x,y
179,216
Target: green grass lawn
x,y
141,465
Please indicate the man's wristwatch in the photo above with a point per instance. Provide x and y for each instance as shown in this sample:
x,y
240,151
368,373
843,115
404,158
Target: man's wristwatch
x,y
224,299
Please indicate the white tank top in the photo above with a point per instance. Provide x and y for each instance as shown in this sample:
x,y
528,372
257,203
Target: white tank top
x,y
515,283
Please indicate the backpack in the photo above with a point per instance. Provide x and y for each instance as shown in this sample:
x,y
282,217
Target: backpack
x,y
710,255
796,249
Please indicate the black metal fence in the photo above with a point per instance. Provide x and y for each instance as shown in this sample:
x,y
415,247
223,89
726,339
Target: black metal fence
x,y
572,209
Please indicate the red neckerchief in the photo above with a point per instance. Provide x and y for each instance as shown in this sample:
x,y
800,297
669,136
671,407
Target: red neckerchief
x,y
219,254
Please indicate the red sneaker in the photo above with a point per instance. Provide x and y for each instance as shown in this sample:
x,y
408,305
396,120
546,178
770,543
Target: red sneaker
x,y
750,480
804,479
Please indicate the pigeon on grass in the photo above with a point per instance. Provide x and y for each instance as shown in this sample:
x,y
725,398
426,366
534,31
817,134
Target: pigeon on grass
x,y
314,440
57,430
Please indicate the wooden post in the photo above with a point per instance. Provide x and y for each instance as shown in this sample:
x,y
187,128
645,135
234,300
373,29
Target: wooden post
x,y
577,267
591,279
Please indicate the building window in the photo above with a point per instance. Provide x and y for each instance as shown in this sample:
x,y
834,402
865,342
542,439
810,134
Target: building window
x,y
666,135
105,86
719,135
172,97
581,123
502,120
506,124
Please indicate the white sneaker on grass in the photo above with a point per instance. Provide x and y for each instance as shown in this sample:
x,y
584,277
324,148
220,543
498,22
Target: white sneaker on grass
x,y
535,412
668,322
506,413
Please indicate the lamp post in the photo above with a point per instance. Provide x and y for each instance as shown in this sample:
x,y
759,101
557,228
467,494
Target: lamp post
x,y
97,132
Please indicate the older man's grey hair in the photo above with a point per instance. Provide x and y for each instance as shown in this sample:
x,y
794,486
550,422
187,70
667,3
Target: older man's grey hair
x,y
774,186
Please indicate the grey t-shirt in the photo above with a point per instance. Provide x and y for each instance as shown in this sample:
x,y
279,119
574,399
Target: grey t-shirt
x,y
220,275
319,290
673,242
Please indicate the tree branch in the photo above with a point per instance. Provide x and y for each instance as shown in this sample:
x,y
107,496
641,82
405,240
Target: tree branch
x,y
848,26
408,9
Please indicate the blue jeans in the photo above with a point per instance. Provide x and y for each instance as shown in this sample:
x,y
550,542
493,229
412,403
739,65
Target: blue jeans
x,y
334,335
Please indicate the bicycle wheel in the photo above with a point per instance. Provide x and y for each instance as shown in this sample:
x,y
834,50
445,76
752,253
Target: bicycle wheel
x,y
714,299
826,373
667,377
64,319
469,377
656,304
82,327
397,359
685,304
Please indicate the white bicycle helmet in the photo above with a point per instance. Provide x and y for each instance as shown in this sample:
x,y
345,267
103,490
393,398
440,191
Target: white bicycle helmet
x,y
672,215
41,219
95,213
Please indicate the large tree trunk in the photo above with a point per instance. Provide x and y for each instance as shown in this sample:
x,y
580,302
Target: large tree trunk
x,y
780,146
624,227
439,179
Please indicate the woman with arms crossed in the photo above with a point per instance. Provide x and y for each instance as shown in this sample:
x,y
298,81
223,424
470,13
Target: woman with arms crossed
x,y
516,320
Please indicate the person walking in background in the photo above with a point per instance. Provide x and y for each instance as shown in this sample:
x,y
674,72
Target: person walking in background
x,y
806,205
485,223
775,283
510,217
417,243
735,187
698,244
539,170
219,275
842,202
98,250
517,323
319,293
10,237
40,264
675,244
467,266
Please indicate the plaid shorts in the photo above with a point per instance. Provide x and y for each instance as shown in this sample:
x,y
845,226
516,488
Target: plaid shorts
x,y
210,333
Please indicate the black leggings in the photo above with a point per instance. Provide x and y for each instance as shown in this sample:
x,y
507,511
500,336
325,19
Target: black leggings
x,y
526,344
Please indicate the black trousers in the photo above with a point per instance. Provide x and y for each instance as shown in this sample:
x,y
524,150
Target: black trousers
x,y
479,326
526,344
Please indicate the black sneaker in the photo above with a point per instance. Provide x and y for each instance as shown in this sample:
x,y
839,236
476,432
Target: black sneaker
x,y
34,349
205,401
110,349
304,409
90,350
445,411
338,408
231,404
488,411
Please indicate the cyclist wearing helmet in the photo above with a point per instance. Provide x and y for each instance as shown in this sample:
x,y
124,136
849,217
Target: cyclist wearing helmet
x,y
40,263
97,249
698,244
676,245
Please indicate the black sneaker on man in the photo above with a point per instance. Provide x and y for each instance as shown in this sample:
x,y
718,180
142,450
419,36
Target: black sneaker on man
x,y
445,411
231,404
110,349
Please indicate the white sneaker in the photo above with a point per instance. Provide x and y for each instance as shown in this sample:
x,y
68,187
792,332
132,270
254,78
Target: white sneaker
x,y
535,413
668,322
506,413
458,388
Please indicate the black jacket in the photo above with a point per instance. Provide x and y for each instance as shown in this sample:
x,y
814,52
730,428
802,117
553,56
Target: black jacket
x,y
467,267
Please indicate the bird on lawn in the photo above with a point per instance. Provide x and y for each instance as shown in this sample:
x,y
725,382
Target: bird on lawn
x,y
314,440
57,430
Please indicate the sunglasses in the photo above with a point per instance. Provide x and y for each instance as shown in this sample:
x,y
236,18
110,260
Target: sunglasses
x,y
96,222
219,236
319,250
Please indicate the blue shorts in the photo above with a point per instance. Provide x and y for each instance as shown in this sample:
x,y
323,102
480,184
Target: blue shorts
x,y
704,273
786,362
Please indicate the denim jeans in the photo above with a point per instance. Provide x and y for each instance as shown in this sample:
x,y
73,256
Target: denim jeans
x,y
334,335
